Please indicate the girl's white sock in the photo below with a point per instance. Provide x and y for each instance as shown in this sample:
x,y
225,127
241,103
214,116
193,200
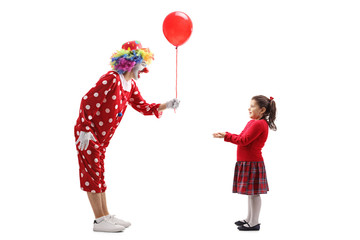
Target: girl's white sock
x,y
255,209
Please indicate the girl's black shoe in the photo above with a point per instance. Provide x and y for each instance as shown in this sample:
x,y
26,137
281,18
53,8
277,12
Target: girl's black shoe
x,y
249,228
240,223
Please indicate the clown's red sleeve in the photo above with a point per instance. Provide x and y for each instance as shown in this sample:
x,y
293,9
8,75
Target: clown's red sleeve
x,y
140,105
93,99
250,133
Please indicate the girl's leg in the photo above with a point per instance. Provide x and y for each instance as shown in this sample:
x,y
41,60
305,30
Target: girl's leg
x,y
249,210
255,210
96,204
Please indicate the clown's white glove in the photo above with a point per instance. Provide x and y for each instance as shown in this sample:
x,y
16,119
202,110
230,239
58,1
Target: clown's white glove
x,y
173,103
84,139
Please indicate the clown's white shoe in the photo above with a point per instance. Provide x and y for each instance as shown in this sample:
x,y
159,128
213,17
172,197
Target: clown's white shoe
x,y
118,221
107,225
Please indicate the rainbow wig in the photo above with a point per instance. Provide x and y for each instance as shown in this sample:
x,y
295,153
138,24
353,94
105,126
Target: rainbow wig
x,y
125,59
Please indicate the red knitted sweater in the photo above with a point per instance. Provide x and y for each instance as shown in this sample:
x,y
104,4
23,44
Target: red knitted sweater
x,y
250,141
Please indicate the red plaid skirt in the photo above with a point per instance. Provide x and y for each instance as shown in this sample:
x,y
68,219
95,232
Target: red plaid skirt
x,y
250,178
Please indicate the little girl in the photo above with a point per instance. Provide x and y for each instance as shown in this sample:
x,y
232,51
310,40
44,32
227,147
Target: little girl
x,y
250,175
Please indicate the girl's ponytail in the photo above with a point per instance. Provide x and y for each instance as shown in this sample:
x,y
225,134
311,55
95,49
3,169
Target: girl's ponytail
x,y
270,106
272,114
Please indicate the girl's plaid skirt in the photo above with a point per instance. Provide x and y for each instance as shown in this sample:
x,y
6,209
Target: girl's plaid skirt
x,y
250,178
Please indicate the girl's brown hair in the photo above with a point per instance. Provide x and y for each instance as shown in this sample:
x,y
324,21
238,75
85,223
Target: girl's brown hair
x,y
270,106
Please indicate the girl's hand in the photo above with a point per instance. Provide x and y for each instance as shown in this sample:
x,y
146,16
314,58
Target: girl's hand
x,y
219,135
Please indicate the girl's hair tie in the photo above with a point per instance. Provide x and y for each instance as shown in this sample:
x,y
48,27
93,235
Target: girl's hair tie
x,y
271,98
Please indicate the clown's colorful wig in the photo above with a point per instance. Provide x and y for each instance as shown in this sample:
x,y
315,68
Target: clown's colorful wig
x,y
125,59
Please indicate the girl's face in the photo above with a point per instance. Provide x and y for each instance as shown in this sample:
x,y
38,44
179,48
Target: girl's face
x,y
255,112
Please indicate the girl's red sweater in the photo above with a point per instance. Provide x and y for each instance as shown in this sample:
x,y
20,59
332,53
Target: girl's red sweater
x,y
250,141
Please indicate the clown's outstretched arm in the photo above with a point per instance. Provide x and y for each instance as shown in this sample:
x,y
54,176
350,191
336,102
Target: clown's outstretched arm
x,y
174,104
140,105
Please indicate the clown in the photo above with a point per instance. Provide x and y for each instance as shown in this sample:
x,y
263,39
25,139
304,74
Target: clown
x,y
101,111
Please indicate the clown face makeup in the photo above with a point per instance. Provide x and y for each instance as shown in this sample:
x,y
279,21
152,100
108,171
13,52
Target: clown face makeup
x,y
137,69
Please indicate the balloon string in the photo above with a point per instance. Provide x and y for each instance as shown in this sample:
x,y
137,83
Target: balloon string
x,y
176,72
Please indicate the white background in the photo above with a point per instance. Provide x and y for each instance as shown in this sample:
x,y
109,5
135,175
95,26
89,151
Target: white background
x,y
168,176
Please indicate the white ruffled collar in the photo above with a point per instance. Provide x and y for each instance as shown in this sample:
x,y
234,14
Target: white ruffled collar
x,y
125,84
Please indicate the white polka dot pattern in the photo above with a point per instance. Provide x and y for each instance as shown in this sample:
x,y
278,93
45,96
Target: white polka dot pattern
x,y
99,113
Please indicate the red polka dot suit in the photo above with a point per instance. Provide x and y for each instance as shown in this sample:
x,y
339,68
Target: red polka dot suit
x,y
101,111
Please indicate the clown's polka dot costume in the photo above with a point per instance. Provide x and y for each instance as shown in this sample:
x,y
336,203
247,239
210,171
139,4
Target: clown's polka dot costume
x,y
101,111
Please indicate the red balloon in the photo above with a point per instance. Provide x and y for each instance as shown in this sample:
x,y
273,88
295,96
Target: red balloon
x,y
177,28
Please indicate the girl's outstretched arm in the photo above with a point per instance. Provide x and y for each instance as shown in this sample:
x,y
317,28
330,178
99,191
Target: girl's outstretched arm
x,y
219,135
246,138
